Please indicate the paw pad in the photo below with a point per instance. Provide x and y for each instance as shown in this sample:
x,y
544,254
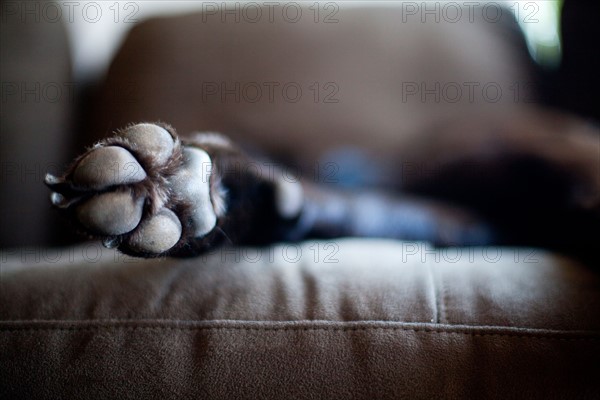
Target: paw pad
x,y
156,234
153,141
130,191
107,166
112,213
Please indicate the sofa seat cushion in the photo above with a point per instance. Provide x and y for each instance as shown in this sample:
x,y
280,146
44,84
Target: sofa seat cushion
x,y
350,318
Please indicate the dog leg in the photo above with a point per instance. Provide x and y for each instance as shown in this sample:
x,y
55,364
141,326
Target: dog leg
x,y
149,193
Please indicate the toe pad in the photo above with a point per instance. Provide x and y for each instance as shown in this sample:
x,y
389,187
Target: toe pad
x,y
151,140
108,166
113,213
157,234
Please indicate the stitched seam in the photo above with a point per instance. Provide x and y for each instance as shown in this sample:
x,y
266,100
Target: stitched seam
x,y
291,329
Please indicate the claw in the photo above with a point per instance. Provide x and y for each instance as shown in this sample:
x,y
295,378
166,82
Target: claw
x,y
111,242
63,188
57,199
52,180
60,201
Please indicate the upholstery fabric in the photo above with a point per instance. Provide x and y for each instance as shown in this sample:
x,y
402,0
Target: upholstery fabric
x,y
350,319
39,97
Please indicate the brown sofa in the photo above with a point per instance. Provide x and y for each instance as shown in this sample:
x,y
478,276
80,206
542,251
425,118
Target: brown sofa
x,y
348,318
345,319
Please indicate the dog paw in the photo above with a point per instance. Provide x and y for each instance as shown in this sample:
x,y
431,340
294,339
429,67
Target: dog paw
x,y
142,191
148,193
